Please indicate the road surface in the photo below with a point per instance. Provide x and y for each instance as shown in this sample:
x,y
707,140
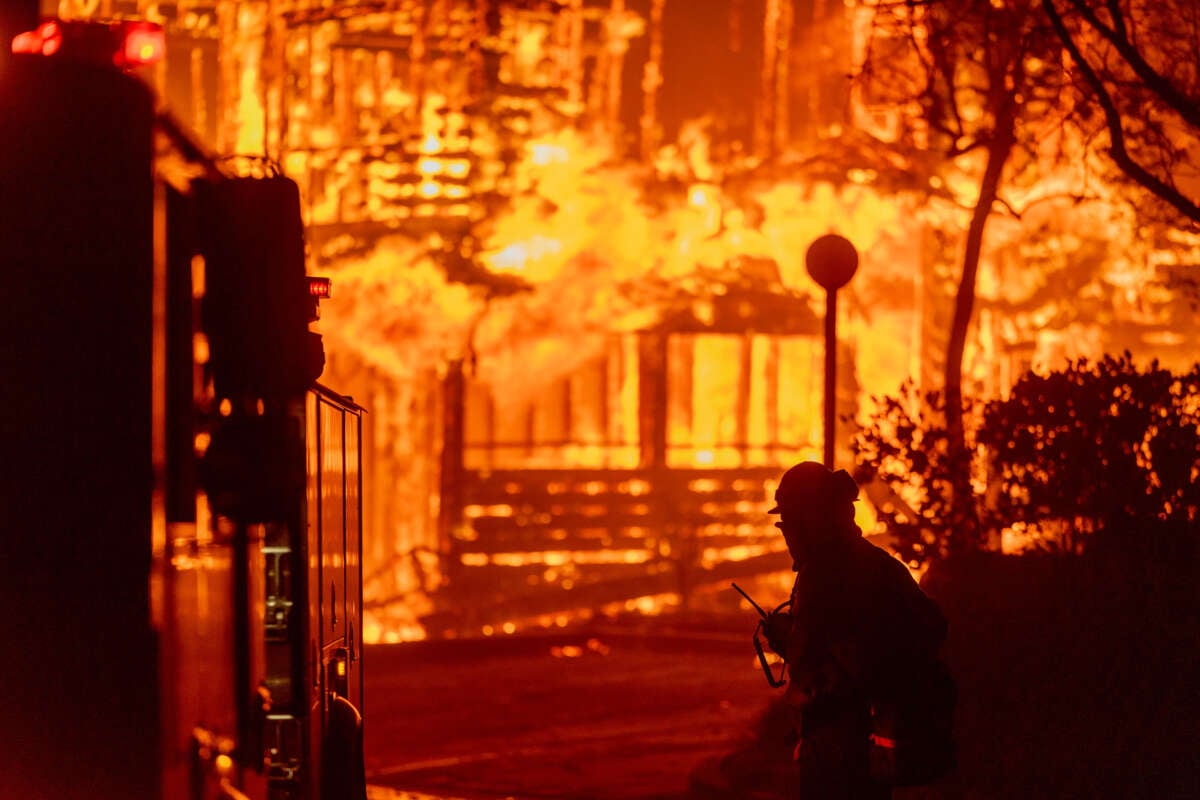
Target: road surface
x,y
612,715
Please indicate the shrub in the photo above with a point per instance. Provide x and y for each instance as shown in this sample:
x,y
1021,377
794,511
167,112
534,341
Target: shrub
x,y
1094,453
903,458
1097,451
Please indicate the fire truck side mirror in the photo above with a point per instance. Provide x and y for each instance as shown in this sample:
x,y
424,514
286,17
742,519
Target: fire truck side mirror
x,y
257,302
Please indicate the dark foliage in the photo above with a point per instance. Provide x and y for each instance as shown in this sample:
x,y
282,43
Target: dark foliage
x,y
1097,454
905,458
1098,448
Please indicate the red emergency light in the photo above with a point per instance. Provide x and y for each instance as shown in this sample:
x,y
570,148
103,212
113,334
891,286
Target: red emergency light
x,y
319,288
45,39
144,44
125,44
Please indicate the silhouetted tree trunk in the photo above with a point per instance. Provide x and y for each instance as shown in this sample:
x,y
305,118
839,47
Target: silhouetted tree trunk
x,y
964,63
999,149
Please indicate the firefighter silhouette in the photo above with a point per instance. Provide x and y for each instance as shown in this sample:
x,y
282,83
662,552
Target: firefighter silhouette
x,y
861,643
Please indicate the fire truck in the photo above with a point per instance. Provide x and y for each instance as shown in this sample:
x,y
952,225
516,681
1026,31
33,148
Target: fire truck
x,y
180,504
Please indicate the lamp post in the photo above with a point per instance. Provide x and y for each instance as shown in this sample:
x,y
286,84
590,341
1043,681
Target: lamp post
x,y
831,261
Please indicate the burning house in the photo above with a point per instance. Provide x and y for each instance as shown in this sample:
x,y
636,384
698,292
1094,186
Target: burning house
x,y
566,239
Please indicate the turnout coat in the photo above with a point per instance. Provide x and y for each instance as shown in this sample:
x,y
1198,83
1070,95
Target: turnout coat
x,y
860,639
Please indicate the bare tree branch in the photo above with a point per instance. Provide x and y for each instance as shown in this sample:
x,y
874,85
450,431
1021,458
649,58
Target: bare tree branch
x,y
1118,18
1183,105
1116,131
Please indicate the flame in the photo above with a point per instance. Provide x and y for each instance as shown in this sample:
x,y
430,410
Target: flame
x,y
396,310
580,230
586,239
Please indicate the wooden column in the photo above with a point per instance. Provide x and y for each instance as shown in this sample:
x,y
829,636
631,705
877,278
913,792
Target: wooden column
x,y
764,127
652,399
452,473
745,362
782,92
652,79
